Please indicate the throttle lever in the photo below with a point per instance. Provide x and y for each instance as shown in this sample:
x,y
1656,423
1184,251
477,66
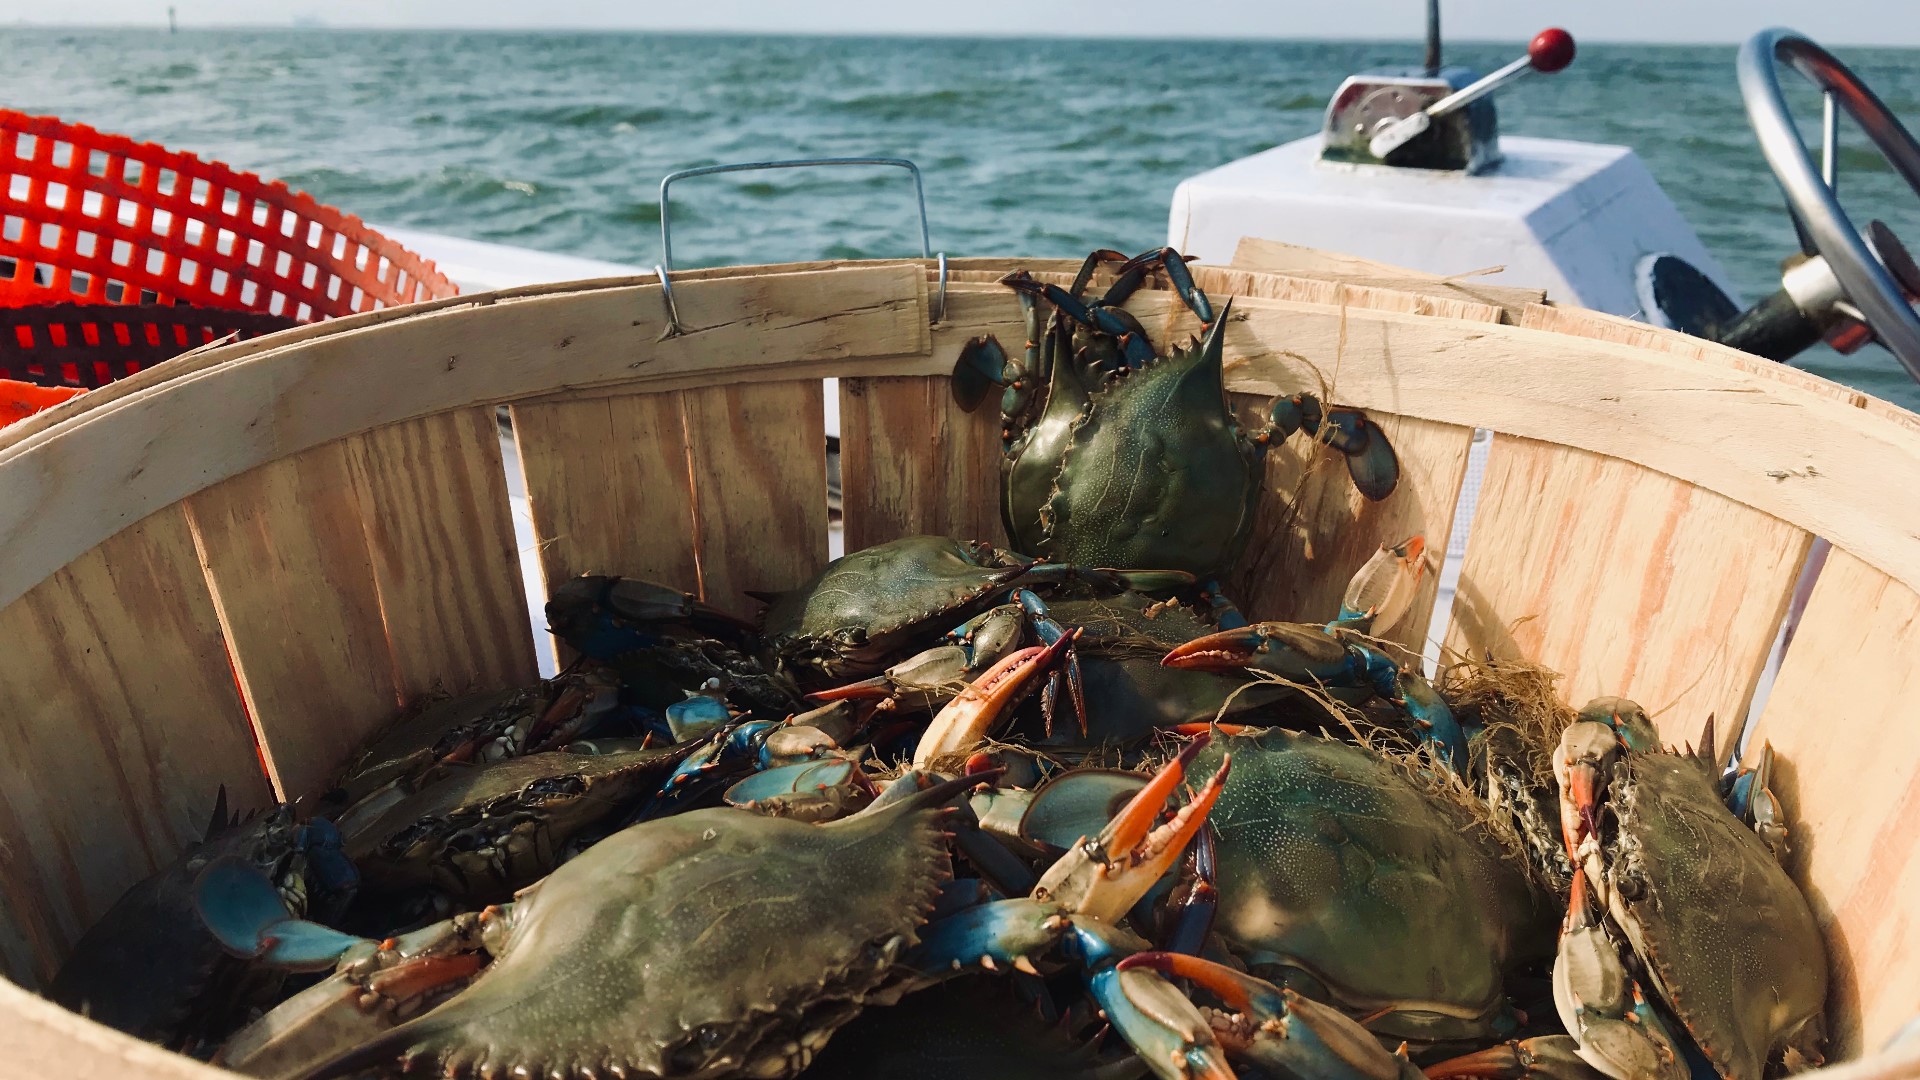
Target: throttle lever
x,y
1549,51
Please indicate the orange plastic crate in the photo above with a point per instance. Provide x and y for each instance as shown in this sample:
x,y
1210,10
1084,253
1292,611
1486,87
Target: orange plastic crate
x,y
90,219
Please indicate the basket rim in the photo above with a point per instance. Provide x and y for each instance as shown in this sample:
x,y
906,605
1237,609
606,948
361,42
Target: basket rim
x,y
784,298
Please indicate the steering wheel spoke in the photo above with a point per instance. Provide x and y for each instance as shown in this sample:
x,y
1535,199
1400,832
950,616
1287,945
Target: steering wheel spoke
x,y
1873,288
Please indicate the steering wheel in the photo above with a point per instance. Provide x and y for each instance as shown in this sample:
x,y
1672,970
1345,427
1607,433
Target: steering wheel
x,y
1865,280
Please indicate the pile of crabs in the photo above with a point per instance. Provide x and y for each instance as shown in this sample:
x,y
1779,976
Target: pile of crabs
x,y
930,816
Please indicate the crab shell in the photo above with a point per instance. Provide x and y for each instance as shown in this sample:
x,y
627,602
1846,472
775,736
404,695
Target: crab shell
x,y
1728,938
483,832
713,943
854,617
1148,469
1333,862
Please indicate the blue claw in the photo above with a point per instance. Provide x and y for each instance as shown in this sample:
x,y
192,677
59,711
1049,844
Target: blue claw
x,y
1006,932
1277,1029
1375,468
243,911
1178,275
1156,1019
697,716
982,364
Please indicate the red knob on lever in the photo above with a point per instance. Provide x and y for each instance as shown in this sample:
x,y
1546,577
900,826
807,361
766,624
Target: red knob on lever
x,y
1550,50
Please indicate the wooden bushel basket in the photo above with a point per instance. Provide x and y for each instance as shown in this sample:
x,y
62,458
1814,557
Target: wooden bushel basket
x,y
232,567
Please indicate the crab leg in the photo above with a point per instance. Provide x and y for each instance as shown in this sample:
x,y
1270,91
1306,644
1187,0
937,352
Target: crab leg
x,y
965,721
1279,1030
1178,276
1105,876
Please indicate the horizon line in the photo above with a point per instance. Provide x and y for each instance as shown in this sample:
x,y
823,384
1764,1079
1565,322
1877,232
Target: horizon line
x,y
959,35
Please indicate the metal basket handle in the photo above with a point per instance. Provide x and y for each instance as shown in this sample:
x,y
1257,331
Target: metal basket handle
x,y
665,266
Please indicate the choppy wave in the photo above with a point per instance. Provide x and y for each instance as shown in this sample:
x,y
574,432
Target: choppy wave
x,y
1041,148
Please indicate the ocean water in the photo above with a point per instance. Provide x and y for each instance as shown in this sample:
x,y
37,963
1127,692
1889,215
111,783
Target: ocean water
x,y
1039,147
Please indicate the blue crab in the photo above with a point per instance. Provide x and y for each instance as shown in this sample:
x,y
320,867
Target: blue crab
x,y
1119,456
648,955
1729,958
1345,875
149,969
480,833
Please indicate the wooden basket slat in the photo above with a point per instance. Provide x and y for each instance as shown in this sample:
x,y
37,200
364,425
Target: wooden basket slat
x,y
122,724
1841,718
1313,530
608,487
1622,401
45,1040
912,461
1407,296
439,529
286,553
757,453
1274,257
278,402
1625,581
1810,459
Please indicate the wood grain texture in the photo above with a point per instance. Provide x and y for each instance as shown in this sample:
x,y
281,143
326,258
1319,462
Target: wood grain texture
x,y
1313,531
758,457
1625,581
439,530
122,723
1274,257
286,554
44,1040
1741,432
1779,446
131,455
607,484
1841,720
912,461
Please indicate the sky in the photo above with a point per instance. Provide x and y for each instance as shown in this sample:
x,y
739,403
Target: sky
x,y
1837,22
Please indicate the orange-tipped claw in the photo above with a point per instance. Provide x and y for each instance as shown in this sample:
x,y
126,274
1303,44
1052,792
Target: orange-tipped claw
x,y
1210,728
1235,989
1106,876
1228,650
963,722
1383,589
865,690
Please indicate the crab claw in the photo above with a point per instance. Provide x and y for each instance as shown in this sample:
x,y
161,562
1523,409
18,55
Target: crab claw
x,y
244,913
1297,651
1279,1030
1548,1057
1005,933
1581,763
1106,876
1371,462
1382,590
1166,1030
982,364
965,721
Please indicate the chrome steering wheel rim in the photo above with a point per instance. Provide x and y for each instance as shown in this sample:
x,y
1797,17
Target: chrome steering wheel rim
x,y
1867,283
